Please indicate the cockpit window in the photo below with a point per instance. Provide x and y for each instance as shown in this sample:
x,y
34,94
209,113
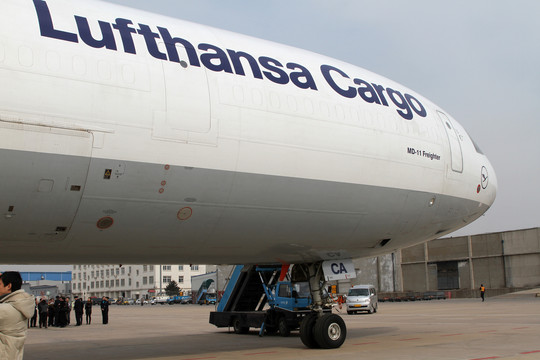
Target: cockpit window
x,y
478,150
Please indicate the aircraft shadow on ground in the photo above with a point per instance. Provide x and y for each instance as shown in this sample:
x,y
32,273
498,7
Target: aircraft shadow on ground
x,y
220,342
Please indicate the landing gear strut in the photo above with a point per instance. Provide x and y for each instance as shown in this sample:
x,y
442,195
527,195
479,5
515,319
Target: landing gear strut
x,y
320,329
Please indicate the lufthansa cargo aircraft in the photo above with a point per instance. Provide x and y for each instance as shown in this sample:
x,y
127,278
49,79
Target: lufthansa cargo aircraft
x,y
128,137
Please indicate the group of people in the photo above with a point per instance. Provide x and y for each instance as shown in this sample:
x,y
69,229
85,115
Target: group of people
x,y
20,310
57,312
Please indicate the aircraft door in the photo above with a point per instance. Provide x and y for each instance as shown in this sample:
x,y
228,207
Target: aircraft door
x,y
43,176
455,145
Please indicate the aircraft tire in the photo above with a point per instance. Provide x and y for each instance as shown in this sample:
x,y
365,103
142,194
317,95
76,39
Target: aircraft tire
x,y
306,331
330,331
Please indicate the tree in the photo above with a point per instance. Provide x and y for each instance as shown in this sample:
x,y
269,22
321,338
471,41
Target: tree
x,y
172,289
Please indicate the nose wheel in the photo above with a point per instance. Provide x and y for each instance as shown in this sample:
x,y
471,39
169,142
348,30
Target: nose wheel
x,y
320,329
327,331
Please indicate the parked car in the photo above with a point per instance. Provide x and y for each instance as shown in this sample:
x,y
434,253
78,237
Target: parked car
x,y
362,298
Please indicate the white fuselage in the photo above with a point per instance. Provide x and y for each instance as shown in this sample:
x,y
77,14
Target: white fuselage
x,y
127,137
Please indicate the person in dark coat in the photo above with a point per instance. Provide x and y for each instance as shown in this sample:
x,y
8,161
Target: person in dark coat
x,y
33,320
62,313
105,310
43,309
57,307
79,309
51,312
88,310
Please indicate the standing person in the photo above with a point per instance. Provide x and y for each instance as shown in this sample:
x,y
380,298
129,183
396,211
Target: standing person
x,y
105,310
57,306
51,312
69,306
88,310
62,313
33,320
43,309
16,307
482,292
79,309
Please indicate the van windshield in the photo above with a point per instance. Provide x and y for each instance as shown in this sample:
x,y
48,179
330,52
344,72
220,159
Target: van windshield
x,y
358,292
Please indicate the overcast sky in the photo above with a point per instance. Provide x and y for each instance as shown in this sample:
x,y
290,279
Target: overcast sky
x,y
479,60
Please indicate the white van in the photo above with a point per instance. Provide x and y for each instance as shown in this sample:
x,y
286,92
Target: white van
x,y
362,298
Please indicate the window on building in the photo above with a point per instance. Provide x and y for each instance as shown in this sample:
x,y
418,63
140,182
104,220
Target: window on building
x,y
180,267
92,274
137,285
129,282
166,267
151,280
180,279
92,285
144,280
102,273
166,279
145,268
151,267
107,272
117,271
117,283
195,267
123,282
123,271
101,284
106,283
137,272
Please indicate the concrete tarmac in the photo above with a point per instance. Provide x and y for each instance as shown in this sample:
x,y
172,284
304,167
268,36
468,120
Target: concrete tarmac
x,y
500,328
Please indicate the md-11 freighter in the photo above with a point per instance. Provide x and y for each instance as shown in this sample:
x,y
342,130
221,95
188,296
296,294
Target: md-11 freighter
x,y
128,137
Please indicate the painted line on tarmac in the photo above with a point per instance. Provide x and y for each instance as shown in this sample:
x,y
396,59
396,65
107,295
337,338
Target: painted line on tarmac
x,y
411,339
368,343
261,353
488,331
530,352
203,358
519,328
451,334
487,358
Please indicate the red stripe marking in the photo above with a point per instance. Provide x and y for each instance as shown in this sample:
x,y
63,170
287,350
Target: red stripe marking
x,y
261,353
368,343
452,334
202,358
410,339
530,352
493,357
488,331
519,328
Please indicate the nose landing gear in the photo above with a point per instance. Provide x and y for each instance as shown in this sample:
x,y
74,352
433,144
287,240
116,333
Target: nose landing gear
x,y
320,329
